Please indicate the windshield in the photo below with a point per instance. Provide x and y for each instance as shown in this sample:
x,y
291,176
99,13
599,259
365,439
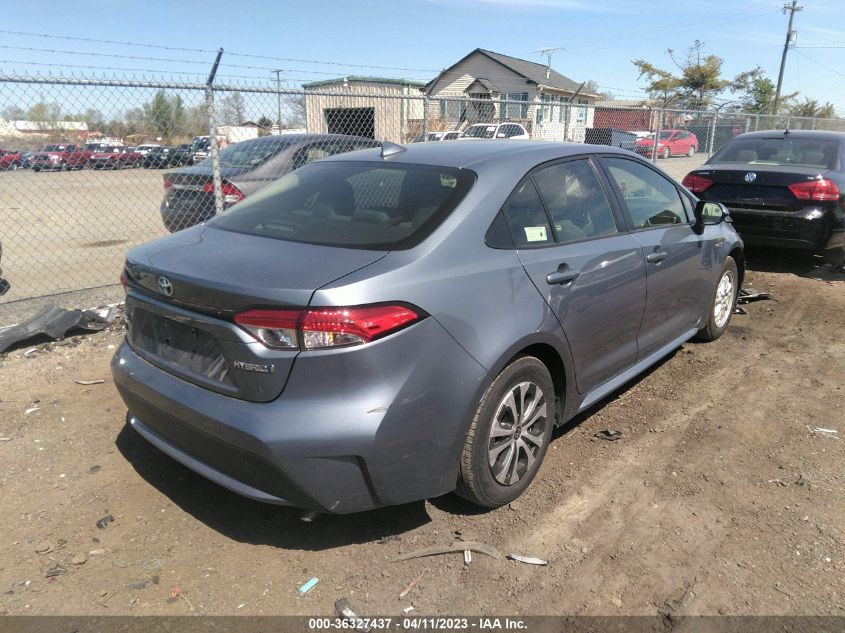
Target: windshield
x,y
52,148
91,147
351,204
480,131
252,153
780,151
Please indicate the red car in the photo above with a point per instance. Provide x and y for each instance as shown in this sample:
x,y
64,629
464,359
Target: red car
x,y
52,157
670,143
10,159
116,157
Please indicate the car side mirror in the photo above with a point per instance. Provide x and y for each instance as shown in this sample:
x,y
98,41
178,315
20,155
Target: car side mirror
x,y
709,214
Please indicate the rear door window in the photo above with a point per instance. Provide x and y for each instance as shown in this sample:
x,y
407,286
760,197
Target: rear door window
x,y
526,217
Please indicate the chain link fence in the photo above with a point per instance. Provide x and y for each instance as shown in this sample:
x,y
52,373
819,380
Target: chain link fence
x,y
91,168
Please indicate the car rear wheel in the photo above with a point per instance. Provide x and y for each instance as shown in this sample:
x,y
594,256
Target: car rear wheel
x,y
722,304
665,153
691,151
509,435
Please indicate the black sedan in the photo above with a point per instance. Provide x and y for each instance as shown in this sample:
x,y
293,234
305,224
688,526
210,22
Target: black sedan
x,y
783,189
182,155
245,168
159,158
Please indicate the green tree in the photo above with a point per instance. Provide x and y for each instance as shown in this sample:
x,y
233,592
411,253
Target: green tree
x,y
758,95
45,115
698,80
812,108
592,87
165,114
264,125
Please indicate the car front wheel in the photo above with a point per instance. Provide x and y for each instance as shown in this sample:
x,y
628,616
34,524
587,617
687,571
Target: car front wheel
x,y
691,151
509,435
665,152
723,302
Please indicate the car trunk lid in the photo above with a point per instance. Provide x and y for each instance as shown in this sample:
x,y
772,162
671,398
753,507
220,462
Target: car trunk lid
x,y
741,186
185,289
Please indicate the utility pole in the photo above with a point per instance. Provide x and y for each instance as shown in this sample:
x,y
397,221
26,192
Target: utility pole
x,y
790,34
279,97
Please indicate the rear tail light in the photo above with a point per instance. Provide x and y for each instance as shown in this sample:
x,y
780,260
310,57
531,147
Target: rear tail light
x,y
123,280
321,328
231,194
167,185
696,183
819,190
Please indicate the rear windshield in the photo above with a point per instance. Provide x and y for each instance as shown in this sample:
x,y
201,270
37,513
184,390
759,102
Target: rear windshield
x,y
349,204
252,153
780,151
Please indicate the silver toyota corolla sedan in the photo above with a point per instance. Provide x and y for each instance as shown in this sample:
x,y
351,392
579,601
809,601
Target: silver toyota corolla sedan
x,y
398,323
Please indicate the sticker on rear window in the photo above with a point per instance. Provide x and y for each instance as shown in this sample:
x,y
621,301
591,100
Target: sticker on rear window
x,y
535,233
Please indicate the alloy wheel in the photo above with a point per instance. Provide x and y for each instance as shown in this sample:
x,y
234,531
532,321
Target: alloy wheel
x,y
518,433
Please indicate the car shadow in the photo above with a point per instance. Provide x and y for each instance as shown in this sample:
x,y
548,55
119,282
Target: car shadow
x,y
248,521
801,263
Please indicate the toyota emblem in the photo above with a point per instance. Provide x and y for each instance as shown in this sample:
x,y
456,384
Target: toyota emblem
x,y
750,176
165,286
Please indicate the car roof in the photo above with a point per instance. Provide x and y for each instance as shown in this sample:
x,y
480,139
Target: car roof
x,y
522,154
808,134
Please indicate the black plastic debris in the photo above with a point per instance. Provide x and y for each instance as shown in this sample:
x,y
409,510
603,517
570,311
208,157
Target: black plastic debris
x,y
609,434
102,523
747,295
4,286
55,323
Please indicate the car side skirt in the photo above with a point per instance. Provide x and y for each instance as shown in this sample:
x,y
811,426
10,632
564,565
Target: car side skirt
x,y
634,370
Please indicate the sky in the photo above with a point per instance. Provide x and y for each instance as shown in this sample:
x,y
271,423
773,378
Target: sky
x,y
414,39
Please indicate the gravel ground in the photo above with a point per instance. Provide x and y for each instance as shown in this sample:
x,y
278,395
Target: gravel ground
x,y
721,497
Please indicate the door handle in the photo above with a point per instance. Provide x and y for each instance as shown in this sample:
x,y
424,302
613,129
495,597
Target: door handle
x,y
656,257
563,275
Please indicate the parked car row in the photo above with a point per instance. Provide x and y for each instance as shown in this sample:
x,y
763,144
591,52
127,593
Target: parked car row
x,y
504,130
99,155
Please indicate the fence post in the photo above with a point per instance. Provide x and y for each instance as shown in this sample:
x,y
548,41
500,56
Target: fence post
x,y
712,139
212,137
756,122
566,122
426,103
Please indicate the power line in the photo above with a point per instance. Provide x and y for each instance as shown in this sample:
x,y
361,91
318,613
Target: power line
x,y
201,50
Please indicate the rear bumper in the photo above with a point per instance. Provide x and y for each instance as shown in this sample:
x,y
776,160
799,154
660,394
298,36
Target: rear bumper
x,y
353,430
182,217
787,230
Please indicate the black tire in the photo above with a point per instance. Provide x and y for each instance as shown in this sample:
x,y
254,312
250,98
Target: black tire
x,y
717,321
691,151
481,482
36,169
666,153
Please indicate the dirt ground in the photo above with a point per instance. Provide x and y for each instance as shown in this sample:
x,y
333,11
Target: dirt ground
x,y
720,497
